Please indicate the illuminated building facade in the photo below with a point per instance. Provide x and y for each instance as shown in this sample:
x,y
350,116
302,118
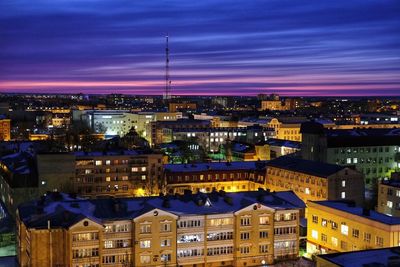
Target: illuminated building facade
x,y
233,229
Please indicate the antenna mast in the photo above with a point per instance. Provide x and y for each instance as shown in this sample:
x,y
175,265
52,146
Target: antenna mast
x,y
167,94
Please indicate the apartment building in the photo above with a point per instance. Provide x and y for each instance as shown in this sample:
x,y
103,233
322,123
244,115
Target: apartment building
x,y
212,138
215,229
206,177
117,173
337,226
24,176
5,128
312,180
374,152
389,196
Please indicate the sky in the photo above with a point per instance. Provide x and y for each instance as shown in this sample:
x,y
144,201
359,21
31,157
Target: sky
x,y
217,47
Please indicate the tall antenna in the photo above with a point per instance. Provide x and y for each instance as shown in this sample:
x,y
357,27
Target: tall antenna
x,y
167,94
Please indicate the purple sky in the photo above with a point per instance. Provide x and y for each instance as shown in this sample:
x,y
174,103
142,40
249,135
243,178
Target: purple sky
x,y
302,47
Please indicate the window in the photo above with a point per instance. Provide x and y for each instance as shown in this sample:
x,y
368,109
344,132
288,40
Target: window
x,y
166,242
145,259
145,244
108,244
389,204
367,237
145,228
343,195
245,221
314,234
165,227
397,193
334,241
334,225
245,250
379,241
264,220
109,259
108,162
343,245
356,233
343,183
245,236
263,248
165,257
324,238
98,162
143,169
143,177
315,219
134,169
324,222
263,234
344,229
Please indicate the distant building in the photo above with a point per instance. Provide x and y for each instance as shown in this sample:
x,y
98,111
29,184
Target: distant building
x,y
5,128
206,177
287,128
312,180
182,106
216,229
389,196
280,147
374,152
335,226
388,257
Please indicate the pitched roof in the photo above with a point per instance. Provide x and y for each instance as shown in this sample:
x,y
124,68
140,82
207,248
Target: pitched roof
x,y
316,168
63,211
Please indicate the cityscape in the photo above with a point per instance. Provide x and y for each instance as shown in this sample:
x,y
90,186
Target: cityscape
x,y
218,133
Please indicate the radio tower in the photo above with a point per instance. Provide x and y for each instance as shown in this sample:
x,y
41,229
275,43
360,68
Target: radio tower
x,y
167,94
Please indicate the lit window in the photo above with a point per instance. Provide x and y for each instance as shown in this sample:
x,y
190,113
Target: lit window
x,y
344,229
145,244
108,179
145,259
389,204
143,177
108,162
343,183
314,234
355,160
134,169
334,241
307,191
143,169
343,195
98,162
348,160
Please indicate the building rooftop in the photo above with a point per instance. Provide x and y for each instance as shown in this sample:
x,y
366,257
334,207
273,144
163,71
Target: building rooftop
x,y
310,167
283,143
63,210
365,258
349,207
215,166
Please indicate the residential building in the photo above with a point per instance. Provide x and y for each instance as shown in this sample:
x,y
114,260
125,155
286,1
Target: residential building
x,y
186,106
374,152
205,177
389,196
24,176
337,226
215,229
5,128
312,180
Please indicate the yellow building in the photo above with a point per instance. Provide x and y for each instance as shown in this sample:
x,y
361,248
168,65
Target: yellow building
x,y
216,229
287,128
389,196
335,226
5,129
312,180
273,105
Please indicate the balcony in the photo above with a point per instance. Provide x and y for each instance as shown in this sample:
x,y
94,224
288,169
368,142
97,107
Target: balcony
x,y
118,235
87,260
115,251
86,243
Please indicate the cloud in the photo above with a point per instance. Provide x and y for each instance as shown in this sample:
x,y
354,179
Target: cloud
x,y
226,47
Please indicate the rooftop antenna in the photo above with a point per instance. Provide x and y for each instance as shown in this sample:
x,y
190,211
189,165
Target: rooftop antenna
x,y
167,94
